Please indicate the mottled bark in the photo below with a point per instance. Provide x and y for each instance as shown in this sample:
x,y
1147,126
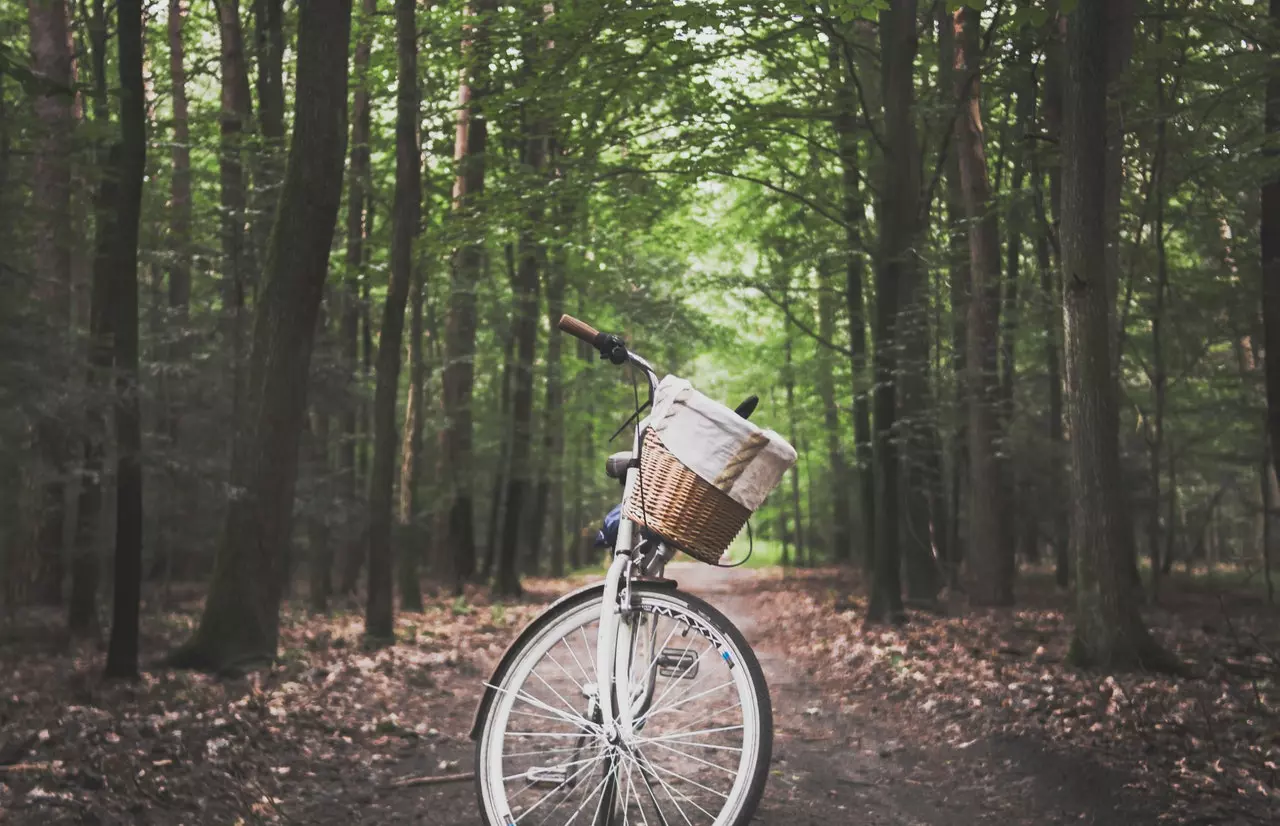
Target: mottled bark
x,y
233,119
1109,632
241,619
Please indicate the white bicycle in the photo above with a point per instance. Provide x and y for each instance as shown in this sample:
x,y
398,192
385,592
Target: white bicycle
x,y
626,702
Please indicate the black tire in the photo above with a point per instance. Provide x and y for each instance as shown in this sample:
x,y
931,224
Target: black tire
x,y
713,617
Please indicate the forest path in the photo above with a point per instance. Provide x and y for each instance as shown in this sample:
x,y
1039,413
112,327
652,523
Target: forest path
x,y
841,755
836,762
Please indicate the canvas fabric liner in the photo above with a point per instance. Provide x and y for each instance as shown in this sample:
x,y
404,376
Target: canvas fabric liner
x,y
740,459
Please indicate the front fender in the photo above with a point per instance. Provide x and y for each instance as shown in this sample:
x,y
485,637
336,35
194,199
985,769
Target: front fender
x,y
587,592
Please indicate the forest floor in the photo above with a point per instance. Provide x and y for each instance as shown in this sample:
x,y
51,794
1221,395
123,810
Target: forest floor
x,y
960,717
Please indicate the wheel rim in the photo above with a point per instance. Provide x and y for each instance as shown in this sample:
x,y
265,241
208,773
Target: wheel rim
x,y
690,759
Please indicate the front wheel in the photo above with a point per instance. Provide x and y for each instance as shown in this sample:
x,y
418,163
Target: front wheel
x,y
697,753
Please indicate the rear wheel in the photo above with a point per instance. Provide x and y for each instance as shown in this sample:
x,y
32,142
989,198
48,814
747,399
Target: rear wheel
x,y
697,755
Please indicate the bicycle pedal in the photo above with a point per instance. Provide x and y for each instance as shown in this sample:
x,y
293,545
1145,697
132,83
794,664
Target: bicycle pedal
x,y
678,662
557,775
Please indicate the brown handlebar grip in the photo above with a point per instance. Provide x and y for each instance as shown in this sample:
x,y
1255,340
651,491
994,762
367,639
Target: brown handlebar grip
x,y
578,329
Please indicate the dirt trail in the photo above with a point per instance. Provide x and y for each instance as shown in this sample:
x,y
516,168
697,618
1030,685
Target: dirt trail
x,y
839,758
837,761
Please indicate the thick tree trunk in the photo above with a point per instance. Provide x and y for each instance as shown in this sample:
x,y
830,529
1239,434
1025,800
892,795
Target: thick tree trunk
x,y
991,555
51,197
241,615
1109,632
1270,238
359,223
466,272
380,617
122,651
898,244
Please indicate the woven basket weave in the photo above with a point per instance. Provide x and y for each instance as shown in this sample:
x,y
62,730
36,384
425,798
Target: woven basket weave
x,y
682,507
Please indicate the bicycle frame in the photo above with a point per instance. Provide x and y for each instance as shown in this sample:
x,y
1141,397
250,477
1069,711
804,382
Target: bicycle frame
x,y
616,635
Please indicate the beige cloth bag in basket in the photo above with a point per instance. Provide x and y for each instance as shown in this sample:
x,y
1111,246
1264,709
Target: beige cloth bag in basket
x,y
737,457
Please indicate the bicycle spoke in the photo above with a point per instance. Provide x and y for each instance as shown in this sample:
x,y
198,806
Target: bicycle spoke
x,y
668,788
685,701
696,759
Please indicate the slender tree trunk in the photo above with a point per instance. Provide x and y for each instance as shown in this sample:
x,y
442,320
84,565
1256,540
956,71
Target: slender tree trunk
x,y
82,614
268,39
498,491
898,239
553,427
1016,522
380,617
51,197
991,556
412,539
1051,286
842,529
122,652
359,221
1264,479
789,380
1109,632
233,123
320,541
1159,376
957,277
853,213
468,265
524,328
241,618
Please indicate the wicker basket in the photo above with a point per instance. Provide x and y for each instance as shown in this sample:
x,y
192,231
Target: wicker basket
x,y
681,507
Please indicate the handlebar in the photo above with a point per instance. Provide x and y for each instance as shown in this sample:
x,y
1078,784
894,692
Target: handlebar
x,y
610,346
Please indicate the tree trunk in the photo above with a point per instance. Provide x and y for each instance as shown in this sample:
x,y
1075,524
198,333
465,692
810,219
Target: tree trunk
x,y
412,539
789,380
354,311
854,216
320,541
553,427
1159,376
1051,286
1109,632
991,556
498,491
841,532
380,619
1270,239
82,613
898,240
957,276
466,272
122,652
1264,478
241,615
233,122
268,38
51,197
524,329
1015,514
